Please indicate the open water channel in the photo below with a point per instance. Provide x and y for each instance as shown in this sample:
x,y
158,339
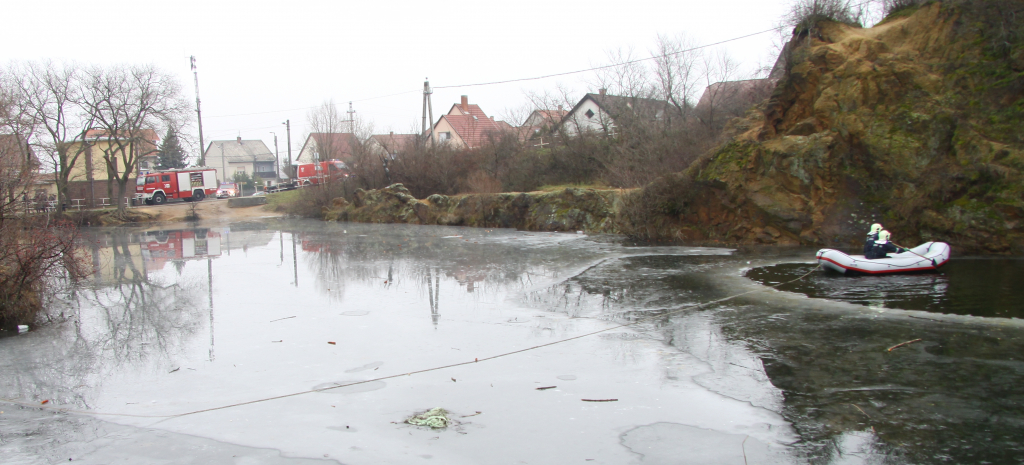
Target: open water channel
x,y
290,341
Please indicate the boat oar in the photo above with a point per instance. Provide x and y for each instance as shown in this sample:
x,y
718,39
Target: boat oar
x,y
936,265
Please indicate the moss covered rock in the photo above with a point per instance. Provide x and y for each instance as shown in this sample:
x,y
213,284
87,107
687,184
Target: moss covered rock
x,y
569,210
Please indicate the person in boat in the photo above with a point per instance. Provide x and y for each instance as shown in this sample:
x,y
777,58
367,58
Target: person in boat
x,y
882,246
872,237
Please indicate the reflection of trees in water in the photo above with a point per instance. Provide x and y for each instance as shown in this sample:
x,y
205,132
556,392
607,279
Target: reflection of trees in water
x,y
133,321
381,260
328,265
398,259
615,290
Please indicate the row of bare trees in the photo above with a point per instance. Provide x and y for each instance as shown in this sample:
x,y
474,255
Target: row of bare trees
x,y
662,113
51,114
63,110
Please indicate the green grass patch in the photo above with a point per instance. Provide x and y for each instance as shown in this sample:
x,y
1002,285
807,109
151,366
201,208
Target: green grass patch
x,y
281,201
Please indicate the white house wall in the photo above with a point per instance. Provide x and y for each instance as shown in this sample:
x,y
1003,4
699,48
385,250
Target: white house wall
x,y
306,155
578,122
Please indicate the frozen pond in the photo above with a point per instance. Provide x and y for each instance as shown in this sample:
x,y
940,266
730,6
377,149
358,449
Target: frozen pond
x,y
288,341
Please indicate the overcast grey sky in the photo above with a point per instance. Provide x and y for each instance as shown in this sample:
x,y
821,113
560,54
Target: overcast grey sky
x,y
261,62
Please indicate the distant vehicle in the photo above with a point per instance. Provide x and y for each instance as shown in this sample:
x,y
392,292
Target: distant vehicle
x,y
259,193
316,173
157,187
228,189
284,186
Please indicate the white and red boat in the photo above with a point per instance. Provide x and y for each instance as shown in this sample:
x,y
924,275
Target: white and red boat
x,y
929,256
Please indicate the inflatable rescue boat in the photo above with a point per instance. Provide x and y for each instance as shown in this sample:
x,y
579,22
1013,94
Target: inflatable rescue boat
x,y
929,256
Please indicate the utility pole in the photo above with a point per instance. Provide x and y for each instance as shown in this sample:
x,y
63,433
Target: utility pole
x,y
288,128
223,162
427,105
199,114
351,119
277,158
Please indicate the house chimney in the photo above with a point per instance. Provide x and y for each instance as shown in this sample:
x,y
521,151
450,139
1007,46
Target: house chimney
x,y
560,110
465,103
239,140
392,133
602,91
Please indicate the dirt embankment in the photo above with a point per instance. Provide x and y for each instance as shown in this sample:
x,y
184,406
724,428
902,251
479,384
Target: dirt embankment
x,y
571,209
209,209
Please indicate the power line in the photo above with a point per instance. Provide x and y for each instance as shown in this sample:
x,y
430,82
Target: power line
x,y
608,66
522,79
535,78
631,61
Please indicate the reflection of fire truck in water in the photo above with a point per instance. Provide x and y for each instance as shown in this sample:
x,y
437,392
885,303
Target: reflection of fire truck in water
x,y
188,185
159,247
316,173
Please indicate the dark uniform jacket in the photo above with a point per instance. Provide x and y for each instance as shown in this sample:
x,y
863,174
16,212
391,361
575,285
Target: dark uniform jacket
x,y
879,249
872,237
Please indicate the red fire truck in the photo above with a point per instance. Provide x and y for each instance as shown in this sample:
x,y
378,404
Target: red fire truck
x,y
315,173
188,185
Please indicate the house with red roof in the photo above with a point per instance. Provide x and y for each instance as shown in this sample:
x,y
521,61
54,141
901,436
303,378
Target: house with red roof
x,y
466,126
323,146
391,144
728,99
540,124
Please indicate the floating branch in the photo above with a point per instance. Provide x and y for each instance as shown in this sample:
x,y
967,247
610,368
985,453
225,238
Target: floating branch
x,y
903,344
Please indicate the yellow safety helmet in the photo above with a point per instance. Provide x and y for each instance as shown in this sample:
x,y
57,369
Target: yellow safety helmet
x,y
876,227
884,236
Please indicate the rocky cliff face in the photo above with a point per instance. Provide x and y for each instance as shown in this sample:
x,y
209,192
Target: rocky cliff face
x,y
915,123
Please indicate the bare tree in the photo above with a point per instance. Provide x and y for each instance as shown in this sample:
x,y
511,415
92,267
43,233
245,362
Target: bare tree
x,y
17,162
36,253
325,125
678,72
717,69
49,94
129,103
625,75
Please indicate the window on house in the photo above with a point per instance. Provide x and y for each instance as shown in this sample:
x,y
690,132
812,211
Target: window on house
x,y
444,136
589,113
